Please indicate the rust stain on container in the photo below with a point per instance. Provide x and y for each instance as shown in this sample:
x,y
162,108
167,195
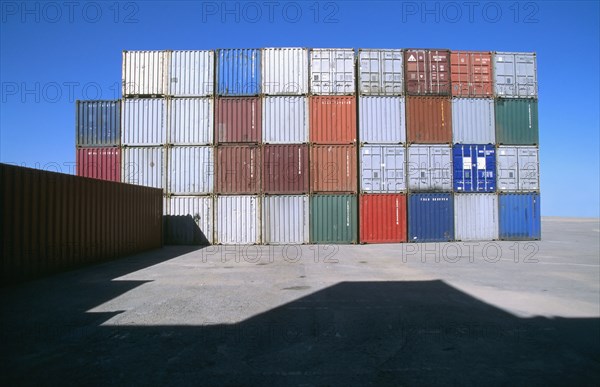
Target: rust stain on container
x,y
427,72
382,218
99,163
238,119
238,169
429,120
471,74
332,120
333,168
285,169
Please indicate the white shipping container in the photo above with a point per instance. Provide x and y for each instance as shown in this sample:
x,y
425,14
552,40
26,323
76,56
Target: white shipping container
x,y
332,71
143,122
190,220
192,73
191,170
476,217
429,168
381,72
473,121
145,73
284,71
191,121
144,166
285,120
515,75
382,168
237,220
285,219
382,120
518,168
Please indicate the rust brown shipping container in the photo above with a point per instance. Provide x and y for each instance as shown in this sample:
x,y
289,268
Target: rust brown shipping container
x,y
332,120
285,169
333,168
238,120
99,163
238,169
471,74
427,72
429,120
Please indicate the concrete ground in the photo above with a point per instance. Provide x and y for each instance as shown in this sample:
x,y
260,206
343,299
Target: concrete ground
x,y
498,313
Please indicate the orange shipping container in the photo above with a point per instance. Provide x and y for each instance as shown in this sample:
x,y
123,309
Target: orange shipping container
x,y
332,120
428,120
333,168
382,218
471,74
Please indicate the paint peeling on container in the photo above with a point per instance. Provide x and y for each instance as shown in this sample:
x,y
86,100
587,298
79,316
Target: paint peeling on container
x,y
474,168
332,71
192,73
189,220
333,219
518,168
473,121
519,215
515,75
476,217
99,163
382,120
285,219
285,120
145,73
143,166
238,72
237,220
381,72
284,71
332,120
143,122
430,217
429,168
98,123
333,168
382,218
191,121
191,170
382,168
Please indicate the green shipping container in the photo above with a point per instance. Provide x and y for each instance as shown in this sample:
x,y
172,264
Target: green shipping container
x,y
333,219
517,122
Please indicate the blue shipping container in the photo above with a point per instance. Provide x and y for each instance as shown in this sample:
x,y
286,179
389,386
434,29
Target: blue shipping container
x,y
98,123
238,71
519,217
474,168
430,217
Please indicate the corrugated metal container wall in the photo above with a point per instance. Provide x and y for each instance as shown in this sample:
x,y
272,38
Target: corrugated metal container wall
x,y
143,122
474,168
238,119
517,122
333,219
192,73
332,120
476,217
473,121
382,218
191,170
284,71
429,168
429,120
430,217
143,166
332,71
285,120
237,220
191,121
285,219
427,72
381,72
515,75
145,73
285,169
518,168
520,217
382,120
238,71
98,123
471,74
189,220
99,163
382,168
333,168
238,169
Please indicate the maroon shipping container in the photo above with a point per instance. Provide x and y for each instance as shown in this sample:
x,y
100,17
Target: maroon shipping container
x,y
333,168
238,119
428,120
238,169
285,169
332,120
99,163
427,72
382,218
471,74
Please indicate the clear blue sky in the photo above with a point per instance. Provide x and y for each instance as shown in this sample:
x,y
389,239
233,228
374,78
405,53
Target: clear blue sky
x,y
53,53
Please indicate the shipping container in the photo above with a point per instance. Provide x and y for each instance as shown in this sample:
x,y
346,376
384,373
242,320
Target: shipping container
x,y
143,122
429,120
430,217
98,123
238,169
191,121
285,219
237,220
192,73
473,121
284,71
518,168
143,166
285,120
191,170
380,72
515,75
333,219
332,120
285,169
145,73
476,217
519,216
474,168
382,218
429,168
382,120
238,71
189,220
517,122
382,168
471,74
332,71
238,119
333,168
427,72
99,163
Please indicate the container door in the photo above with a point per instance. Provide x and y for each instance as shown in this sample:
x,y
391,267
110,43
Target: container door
x,y
528,169
485,165
371,169
393,169
526,81
507,169
418,167
440,165
504,70
463,168
391,75
370,72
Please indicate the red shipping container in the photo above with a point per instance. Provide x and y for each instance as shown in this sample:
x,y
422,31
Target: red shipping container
x,y
238,169
427,72
382,218
429,120
332,120
333,168
99,163
238,119
285,169
471,74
